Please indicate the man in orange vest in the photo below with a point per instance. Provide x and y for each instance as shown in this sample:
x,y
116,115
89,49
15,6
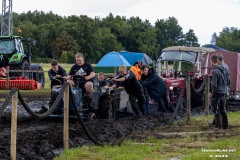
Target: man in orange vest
x,y
136,69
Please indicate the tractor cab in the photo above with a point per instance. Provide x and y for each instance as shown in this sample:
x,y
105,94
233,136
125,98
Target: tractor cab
x,y
178,61
11,51
15,53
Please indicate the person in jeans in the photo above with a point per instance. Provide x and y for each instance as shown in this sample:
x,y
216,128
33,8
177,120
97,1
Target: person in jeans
x,y
219,90
133,88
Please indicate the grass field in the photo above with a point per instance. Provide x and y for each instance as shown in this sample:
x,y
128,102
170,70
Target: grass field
x,y
193,140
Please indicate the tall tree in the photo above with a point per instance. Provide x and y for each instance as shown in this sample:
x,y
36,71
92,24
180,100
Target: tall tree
x,y
62,43
169,32
190,39
229,39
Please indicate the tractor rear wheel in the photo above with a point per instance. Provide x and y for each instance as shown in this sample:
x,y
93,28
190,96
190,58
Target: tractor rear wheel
x,y
23,66
38,76
197,98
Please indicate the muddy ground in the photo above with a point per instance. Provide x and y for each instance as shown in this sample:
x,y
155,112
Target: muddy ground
x,y
43,139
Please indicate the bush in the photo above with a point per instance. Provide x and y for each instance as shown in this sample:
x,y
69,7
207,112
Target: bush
x,y
67,57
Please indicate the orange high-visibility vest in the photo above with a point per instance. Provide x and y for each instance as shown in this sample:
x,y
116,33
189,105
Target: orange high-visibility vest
x,y
136,70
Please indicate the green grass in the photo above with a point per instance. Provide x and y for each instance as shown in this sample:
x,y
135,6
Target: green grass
x,y
194,141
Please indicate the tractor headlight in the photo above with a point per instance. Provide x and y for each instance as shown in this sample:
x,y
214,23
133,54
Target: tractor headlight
x,y
171,88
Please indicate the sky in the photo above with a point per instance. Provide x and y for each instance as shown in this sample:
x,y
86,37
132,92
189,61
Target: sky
x,y
203,16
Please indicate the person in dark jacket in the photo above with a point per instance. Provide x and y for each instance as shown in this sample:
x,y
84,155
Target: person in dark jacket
x,y
156,88
56,74
133,88
106,101
219,90
227,71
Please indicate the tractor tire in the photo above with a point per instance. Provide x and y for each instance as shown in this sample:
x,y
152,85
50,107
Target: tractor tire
x,y
23,66
197,99
38,76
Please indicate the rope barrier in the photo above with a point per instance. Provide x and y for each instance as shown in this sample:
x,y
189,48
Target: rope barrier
x,y
7,100
51,108
80,119
200,89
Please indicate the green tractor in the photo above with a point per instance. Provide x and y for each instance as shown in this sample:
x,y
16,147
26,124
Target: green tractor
x,y
16,53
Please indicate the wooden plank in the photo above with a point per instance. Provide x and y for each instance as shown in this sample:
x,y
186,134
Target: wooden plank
x,y
7,82
188,97
207,88
66,118
14,126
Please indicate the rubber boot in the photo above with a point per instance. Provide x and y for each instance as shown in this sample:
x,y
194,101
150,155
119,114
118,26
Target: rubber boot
x,y
84,102
87,103
213,123
224,121
218,121
162,106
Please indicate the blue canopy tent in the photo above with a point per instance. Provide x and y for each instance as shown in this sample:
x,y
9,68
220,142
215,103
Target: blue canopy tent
x,y
113,59
133,57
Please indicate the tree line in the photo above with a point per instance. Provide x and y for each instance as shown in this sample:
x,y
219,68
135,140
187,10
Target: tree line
x,y
60,37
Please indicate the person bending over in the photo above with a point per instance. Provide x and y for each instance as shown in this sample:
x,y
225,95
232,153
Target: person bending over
x,y
133,88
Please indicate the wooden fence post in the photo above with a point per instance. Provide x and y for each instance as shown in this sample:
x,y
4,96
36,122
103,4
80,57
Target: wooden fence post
x,y
188,93
207,95
14,126
66,118
7,80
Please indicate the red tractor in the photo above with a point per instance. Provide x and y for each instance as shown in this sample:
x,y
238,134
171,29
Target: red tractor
x,y
176,62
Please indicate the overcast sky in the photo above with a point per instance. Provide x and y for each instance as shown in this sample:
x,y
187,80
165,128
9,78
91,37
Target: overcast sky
x,y
203,16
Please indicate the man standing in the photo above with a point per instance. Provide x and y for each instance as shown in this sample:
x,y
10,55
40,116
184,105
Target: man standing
x,y
227,74
133,88
81,75
219,90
